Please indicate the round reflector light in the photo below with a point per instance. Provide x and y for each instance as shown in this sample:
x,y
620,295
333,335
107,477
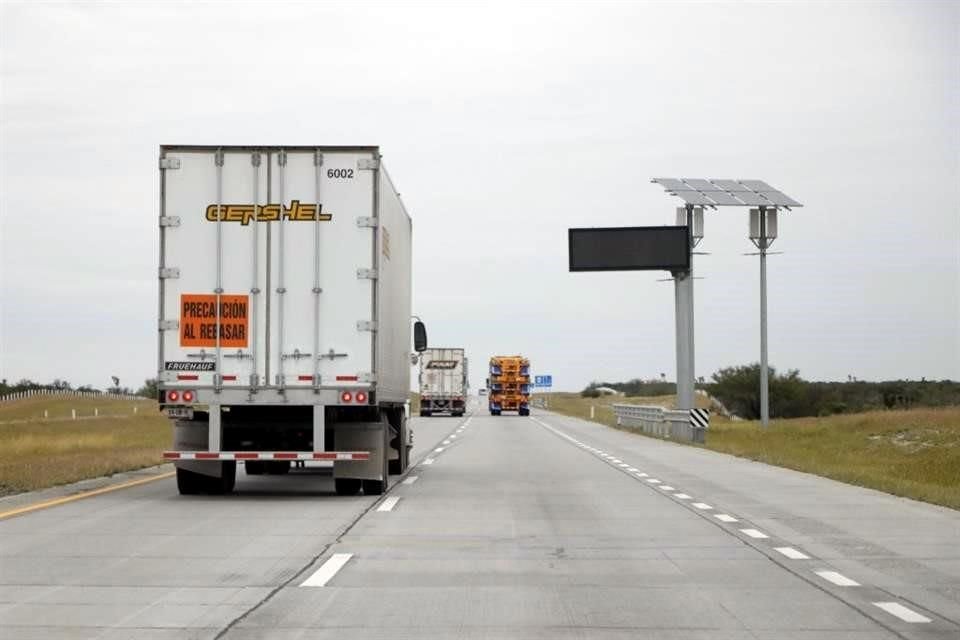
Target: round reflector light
x,y
173,396
361,396
346,396
188,396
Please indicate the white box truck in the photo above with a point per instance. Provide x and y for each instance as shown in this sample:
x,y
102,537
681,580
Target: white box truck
x,y
443,381
284,315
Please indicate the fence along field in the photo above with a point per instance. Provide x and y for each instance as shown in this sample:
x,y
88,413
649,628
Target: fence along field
x,y
110,434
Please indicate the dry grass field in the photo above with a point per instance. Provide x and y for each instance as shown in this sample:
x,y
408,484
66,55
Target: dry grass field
x,y
36,453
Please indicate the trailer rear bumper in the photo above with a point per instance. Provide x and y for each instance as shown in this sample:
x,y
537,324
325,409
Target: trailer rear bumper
x,y
267,455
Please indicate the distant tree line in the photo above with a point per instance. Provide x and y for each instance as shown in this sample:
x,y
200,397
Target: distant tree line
x,y
148,390
738,388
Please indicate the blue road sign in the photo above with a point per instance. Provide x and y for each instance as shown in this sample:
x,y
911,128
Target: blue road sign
x,y
543,381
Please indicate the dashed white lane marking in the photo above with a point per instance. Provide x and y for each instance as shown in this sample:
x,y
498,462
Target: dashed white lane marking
x,y
631,469
438,449
753,533
792,553
327,570
837,578
682,496
902,612
722,517
616,460
410,480
447,441
428,461
666,487
641,474
623,464
388,504
453,437
703,506
653,481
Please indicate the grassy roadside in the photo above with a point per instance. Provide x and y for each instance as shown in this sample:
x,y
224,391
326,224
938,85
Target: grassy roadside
x,y
44,453
914,453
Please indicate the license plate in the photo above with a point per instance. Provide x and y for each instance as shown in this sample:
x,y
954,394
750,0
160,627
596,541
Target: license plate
x,y
185,413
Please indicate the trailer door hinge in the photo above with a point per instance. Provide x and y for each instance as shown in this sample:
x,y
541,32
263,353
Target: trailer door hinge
x,y
368,164
367,274
169,273
169,163
366,325
364,221
169,221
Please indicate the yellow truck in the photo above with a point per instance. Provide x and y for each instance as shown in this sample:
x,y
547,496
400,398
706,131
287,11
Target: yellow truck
x,y
509,385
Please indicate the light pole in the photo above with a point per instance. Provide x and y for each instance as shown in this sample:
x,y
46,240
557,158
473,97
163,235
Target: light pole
x,y
763,231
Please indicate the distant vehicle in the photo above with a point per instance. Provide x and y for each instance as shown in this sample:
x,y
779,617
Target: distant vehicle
x,y
443,381
509,385
284,319
482,392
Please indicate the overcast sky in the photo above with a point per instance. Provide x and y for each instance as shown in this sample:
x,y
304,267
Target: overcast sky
x,y
503,125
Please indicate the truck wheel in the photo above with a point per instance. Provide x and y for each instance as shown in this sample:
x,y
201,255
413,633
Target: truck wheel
x,y
424,414
227,480
254,467
524,412
400,465
347,486
189,483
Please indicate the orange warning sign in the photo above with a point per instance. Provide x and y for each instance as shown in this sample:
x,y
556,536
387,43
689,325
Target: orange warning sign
x,y
198,320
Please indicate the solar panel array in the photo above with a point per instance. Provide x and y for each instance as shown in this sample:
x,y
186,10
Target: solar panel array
x,y
726,193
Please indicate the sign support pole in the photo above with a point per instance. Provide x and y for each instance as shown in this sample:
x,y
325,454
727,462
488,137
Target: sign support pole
x,y
683,283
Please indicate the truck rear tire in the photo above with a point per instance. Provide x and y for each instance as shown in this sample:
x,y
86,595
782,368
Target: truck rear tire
x,y
347,486
424,414
227,480
398,466
524,412
189,483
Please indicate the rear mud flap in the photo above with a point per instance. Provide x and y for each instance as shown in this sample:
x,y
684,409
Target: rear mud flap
x,y
361,436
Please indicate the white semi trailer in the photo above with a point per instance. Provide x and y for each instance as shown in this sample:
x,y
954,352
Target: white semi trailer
x,y
284,315
443,381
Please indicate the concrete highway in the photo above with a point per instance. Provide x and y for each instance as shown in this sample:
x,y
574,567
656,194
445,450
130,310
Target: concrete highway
x,y
545,527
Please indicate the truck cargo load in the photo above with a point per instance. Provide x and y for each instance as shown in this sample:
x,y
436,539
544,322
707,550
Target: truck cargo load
x,y
443,381
284,313
509,385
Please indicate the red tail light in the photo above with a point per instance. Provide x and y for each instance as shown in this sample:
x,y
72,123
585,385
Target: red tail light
x,y
173,396
188,396
346,396
361,397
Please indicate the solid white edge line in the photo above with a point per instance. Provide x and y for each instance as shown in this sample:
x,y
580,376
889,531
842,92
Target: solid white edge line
x,y
722,517
792,553
388,504
904,613
327,570
837,578
410,480
754,533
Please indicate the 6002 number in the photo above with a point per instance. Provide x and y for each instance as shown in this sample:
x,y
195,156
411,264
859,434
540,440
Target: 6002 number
x,y
340,173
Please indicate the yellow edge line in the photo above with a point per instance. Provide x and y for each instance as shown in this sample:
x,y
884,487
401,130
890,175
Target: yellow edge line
x,y
81,496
